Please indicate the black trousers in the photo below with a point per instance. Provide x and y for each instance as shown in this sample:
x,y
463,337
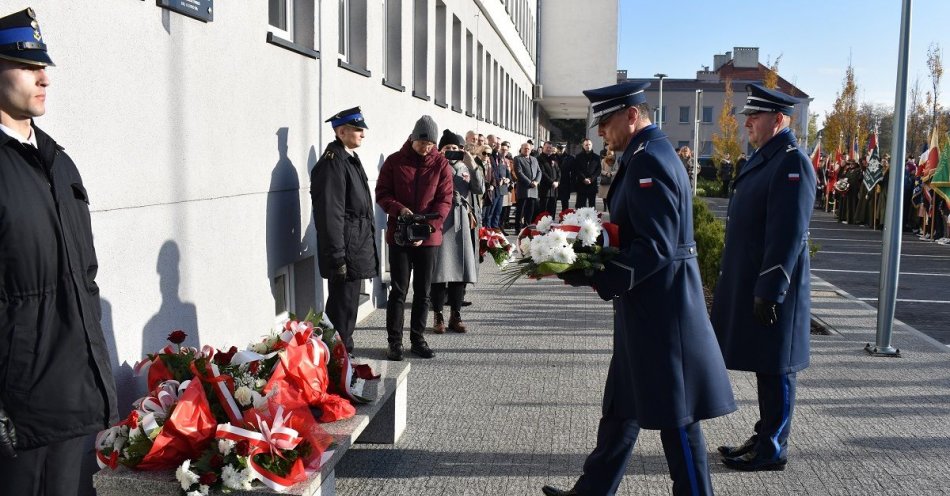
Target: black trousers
x,y
684,447
776,406
525,214
585,198
455,292
549,205
565,202
52,470
343,301
419,262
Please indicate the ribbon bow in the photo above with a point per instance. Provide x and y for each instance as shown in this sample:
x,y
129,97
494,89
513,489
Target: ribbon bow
x,y
273,438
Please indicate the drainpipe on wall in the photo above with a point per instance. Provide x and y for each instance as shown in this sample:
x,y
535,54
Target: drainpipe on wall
x,y
537,69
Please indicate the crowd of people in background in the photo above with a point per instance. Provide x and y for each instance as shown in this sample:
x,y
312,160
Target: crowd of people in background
x,y
471,182
844,190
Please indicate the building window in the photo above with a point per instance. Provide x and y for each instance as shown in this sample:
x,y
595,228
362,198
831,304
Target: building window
x,y
352,39
480,75
392,44
420,49
456,64
707,115
280,14
706,148
684,115
469,70
343,27
440,41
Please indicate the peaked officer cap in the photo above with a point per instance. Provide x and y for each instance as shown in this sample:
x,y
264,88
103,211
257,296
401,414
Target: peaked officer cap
x,y
351,117
21,40
610,99
762,99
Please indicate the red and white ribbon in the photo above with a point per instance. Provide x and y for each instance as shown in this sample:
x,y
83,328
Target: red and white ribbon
x,y
273,438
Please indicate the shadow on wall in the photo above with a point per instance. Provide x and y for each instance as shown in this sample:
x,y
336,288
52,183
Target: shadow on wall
x,y
309,294
283,218
173,313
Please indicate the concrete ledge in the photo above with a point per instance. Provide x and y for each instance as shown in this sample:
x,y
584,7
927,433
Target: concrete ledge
x,y
381,421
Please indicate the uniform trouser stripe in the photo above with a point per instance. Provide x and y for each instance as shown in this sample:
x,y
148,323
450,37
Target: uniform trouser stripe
x,y
786,406
690,466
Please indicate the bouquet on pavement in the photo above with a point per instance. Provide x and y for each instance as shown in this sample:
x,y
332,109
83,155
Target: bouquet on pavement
x,y
261,396
493,242
578,240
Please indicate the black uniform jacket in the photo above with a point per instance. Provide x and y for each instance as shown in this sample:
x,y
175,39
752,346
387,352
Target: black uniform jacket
x,y
587,166
343,214
56,381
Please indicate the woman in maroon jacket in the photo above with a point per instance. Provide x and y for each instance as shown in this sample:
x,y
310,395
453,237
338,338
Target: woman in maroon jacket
x,y
415,180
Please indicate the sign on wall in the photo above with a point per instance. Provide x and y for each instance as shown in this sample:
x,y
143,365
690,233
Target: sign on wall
x,y
203,10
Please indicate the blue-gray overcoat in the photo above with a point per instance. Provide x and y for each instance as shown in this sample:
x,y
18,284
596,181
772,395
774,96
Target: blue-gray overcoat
x,y
666,370
766,255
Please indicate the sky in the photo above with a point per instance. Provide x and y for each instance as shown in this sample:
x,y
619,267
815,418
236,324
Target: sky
x,y
815,39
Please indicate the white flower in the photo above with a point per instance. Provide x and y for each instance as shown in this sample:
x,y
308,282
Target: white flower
x,y
235,479
259,348
524,246
186,477
588,233
544,225
203,489
558,238
244,396
225,446
570,219
564,254
587,214
259,384
541,249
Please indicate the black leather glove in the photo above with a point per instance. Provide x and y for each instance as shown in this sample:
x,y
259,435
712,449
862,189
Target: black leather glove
x,y
765,311
575,278
7,436
338,274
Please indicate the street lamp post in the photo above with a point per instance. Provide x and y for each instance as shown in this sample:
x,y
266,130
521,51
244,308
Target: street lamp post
x,y
699,101
659,120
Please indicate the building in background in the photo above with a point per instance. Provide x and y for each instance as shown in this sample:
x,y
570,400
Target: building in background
x,y
742,67
196,136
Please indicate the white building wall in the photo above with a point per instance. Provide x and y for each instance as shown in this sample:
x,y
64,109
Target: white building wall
x,y
195,143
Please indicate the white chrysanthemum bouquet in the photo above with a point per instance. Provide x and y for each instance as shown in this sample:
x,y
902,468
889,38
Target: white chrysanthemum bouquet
x,y
579,240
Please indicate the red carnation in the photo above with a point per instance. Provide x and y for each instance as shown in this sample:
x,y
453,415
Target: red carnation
x,y
216,461
255,365
208,478
177,337
243,448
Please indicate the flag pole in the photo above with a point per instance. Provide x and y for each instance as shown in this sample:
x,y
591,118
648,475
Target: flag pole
x,y
891,255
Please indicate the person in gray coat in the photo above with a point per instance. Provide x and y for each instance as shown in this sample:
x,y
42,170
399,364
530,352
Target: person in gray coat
x,y
528,171
456,262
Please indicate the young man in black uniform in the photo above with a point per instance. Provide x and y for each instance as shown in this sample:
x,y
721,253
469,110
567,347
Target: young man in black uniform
x,y
343,214
58,386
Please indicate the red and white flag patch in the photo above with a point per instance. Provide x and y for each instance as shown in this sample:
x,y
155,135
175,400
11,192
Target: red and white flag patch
x,y
794,177
646,182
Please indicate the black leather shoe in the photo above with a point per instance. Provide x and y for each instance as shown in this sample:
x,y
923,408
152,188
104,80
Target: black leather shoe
x,y
395,352
553,491
734,451
752,462
466,303
421,350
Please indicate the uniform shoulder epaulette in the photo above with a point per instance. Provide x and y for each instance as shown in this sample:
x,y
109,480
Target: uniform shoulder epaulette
x,y
329,155
643,146
790,149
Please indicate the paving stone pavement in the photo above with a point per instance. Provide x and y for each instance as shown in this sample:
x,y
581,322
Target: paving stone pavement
x,y
514,404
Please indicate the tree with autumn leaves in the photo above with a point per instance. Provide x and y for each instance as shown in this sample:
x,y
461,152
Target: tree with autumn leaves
x,y
727,140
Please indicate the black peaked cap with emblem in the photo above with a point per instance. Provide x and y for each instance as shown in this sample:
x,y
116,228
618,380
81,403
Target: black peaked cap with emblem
x,y
21,40
352,117
762,99
611,99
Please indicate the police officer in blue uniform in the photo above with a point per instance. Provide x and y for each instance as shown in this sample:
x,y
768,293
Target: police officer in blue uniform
x,y
761,310
666,372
